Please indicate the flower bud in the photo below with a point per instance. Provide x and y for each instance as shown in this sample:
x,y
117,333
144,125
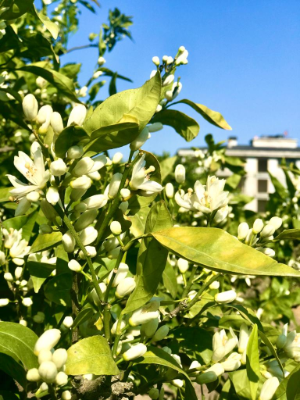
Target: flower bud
x,y
44,117
195,365
101,60
214,285
243,338
180,173
2,258
48,210
116,228
61,378
232,362
83,166
96,201
52,195
8,277
45,355
114,327
136,351
150,327
18,272
91,250
138,142
66,395
30,107
153,393
77,115
161,333
48,371
59,357
142,316
4,302
267,251
68,242
168,80
33,375
88,235
125,287
114,185
74,266
75,152
56,123
225,297
211,374
33,196
85,220
58,167
268,230
45,228
243,230
276,222
27,302
117,158
155,60
68,322
183,265
169,189
23,322
281,341
120,274
47,340
269,388
257,226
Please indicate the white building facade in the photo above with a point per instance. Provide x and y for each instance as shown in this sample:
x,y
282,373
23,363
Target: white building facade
x,y
262,155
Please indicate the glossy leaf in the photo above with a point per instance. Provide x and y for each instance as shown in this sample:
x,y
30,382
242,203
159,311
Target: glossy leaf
x,y
39,272
26,223
158,356
18,342
289,386
52,27
91,356
170,281
16,8
213,117
288,234
186,126
84,315
241,384
58,289
138,103
70,136
12,368
46,241
152,259
252,362
219,251
167,167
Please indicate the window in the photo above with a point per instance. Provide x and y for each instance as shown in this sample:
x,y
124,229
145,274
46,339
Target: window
x,y
261,205
262,186
262,165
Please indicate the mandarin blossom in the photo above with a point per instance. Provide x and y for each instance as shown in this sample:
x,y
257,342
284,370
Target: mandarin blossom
x,y
140,179
32,170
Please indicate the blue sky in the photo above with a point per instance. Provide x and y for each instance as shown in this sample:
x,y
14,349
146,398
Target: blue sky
x,y
244,61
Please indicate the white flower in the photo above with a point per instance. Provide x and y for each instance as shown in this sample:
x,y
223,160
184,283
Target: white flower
x,y
97,74
58,167
138,142
33,375
66,395
155,60
87,166
292,345
144,315
77,115
117,158
195,365
27,302
137,350
174,92
32,170
243,230
116,228
125,287
68,322
59,357
44,118
19,249
225,297
183,265
4,302
184,199
30,107
180,173
120,274
257,226
210,197
61,378
182,58
83,183
232,362
74,265
48,371
276,222
169,189
56,123
47,340
101,60
52,195
222,345
140,179
269,388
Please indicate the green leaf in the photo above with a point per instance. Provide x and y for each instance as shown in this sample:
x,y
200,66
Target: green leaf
x,y
39,272
12,368
152,259
280,190
46,241
213,117
167,166
169,280
160,357
288,234
51,26
26,223
18,342
58,289
70,136
289,386
91,356
16,8
138,103
186,126
84,315
5,194
138,221
241,384
219,251
252,362
112,85
61,82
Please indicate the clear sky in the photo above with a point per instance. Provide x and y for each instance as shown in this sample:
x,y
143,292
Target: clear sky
x,y
244,61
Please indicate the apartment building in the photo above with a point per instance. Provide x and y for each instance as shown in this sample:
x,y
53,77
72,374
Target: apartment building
x,y
263,154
